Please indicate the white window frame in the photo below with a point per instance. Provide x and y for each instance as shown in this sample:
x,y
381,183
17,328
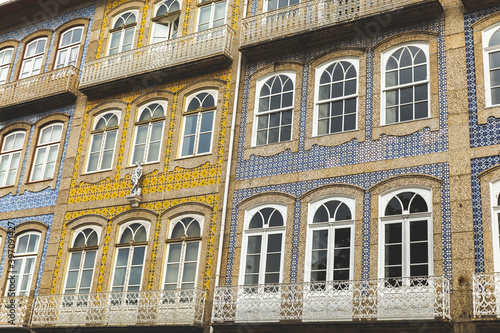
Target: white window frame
x,y
405,219
184,243
330,226
46,145
10,154
170,23
260,82
319,71
212,5
122,31
103,142
424,46
70,47
486,36
5,65
164,104
264,232
34,58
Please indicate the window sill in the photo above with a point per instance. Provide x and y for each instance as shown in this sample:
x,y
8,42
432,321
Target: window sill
x,y
406,128
487,112
270,149
335,139
96,176
190,162
38,185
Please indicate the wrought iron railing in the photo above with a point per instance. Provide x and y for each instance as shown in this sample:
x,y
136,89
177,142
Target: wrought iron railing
x,y
486,294
15,311
159,56
63,80
311,15
152,307
383,299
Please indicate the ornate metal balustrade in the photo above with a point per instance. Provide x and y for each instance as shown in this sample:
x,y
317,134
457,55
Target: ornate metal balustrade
x,y
161,307
486,294
310,15
15,311
41,86
158,56
383,299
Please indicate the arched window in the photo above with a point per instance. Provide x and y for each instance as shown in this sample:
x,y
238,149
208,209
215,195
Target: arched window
x,y
406,88
69,47
10,155
166,21
122,33
263,245
275,4
103,142
274,109
491,55
24,262
330,241
130,256
33,57
46,152
211,15
337,97
183,250
82,261
199,124
5,61
149,132
406,234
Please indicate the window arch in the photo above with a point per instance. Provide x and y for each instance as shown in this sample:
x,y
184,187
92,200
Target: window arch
x,y
24,262
330,241
166,21
406,233
46,153
69,47
491,40
5,62
122,33
198,123
149,132
130,256
406,83
183,250
274,105
337,96
33,58
103,141
82,260
10,155
263,245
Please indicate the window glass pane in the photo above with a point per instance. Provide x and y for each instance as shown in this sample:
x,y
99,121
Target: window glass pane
x,y
135,275
274,243
495,60
174,253
252,263
66,38
320,239
254,244
273,262
343,237
75,260
188,146
495,39
189,273
276,219
122,258
86,280
22,244
341,258
77,35
393,254
343,213
119,279
138,257
321,215
393,233
194,229
72,280
419,270
89,260
190,124
418,253
172,273
178,231
192,251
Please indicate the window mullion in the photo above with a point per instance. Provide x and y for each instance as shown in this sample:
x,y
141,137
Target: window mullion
x,y
406,247
197,134
263,258
181,264
330,253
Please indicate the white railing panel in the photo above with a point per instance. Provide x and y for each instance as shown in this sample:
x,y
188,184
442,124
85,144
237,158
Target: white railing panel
x,y
486,294
159,307
15,311
159,56
387,299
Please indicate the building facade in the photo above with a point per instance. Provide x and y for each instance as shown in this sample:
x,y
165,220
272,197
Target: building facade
x,y
250,165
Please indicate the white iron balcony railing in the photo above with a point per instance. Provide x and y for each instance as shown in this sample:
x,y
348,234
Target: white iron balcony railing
x,y
59,81
416,298
158,56
152,307
15,311
486,294
310,15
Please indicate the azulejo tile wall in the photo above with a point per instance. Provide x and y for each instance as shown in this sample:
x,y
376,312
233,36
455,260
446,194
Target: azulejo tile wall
x,y
47,219
353,152
480,134
157,207
364,180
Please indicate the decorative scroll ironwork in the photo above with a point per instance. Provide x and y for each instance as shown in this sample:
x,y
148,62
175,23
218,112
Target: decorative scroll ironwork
x,y
486,294
15,311
63,80
158,56
311,15
388,299
158,307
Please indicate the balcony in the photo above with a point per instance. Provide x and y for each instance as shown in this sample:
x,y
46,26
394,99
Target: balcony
x,y
422,298
159,308
157,63
15,312
47,90
319,22
479,4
